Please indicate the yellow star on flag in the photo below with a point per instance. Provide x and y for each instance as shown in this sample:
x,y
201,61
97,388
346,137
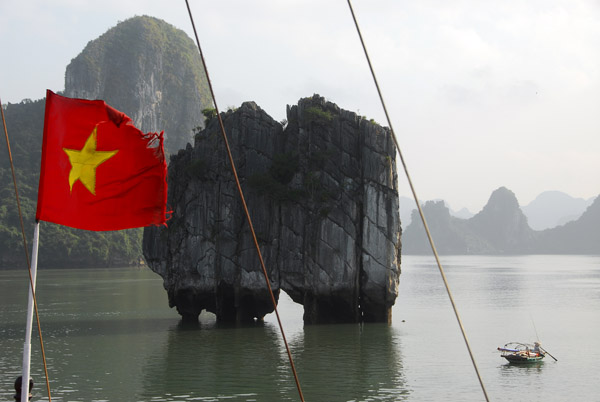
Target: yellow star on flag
x,y
85,161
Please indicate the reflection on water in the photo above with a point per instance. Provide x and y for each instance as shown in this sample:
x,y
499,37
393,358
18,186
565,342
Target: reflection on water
x,y
335,363
213,362
351,362
511,370
110,336
98,325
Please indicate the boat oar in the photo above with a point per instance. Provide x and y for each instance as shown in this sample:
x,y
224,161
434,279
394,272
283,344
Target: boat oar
x,y
548,353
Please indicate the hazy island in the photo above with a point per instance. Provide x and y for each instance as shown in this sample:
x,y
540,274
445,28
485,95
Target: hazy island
x,y
501,227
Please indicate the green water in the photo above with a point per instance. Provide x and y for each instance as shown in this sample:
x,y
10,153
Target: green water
x,y
110,336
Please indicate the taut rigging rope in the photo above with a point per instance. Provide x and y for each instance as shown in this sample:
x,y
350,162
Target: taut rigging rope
x,y
25,381
241,193
414,193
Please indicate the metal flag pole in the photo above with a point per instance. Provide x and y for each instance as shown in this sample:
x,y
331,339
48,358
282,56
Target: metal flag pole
x,y
31,277
29,326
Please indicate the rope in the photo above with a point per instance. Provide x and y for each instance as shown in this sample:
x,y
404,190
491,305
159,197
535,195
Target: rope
x,y
241,193
414,193
37,316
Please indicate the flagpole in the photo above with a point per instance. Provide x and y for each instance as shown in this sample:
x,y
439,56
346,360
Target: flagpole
x,y
29,326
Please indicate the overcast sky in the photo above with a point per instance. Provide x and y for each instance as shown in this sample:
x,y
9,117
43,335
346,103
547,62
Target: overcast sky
x,y
482,94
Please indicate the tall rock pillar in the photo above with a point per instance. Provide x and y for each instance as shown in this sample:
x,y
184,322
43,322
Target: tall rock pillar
x,y
324,203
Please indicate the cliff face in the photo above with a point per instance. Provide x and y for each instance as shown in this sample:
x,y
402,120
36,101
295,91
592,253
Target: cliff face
x,y
323,199
150,71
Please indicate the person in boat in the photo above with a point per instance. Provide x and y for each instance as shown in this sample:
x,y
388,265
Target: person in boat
x,y
536,349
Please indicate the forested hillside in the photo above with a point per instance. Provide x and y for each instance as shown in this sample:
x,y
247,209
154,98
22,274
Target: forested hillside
x,y
60,246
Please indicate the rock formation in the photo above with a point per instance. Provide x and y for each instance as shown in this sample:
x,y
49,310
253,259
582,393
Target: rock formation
x,y
501,228
502,224
323,199
150,71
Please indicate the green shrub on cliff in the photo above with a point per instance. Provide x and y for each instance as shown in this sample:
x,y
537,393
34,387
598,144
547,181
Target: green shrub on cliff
x,y
209,113
317,115
274,182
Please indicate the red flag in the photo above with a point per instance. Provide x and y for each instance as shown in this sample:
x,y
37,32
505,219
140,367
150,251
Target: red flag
x,y
99,172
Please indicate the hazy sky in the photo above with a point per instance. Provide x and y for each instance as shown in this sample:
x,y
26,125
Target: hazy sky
x,y
482,94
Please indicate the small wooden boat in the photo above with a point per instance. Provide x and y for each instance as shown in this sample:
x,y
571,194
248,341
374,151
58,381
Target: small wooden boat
x,y
517,352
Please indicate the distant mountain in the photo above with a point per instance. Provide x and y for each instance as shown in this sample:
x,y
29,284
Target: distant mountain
x,y
462,213
450,234
554,208
501,228
576,237
502,223
407,205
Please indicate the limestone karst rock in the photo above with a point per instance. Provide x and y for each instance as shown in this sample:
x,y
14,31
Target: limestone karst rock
x,y
322,194
150,71
502,224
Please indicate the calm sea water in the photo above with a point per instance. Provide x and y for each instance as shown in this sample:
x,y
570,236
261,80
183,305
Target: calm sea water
x,y
110,336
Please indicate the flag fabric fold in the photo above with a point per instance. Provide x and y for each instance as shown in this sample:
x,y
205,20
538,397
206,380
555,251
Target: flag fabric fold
x,y
98,171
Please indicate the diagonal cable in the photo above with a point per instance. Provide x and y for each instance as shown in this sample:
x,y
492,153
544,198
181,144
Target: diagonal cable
x,y
414,193
241,193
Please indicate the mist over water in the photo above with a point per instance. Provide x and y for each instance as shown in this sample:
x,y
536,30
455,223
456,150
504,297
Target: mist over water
x,y
110,336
